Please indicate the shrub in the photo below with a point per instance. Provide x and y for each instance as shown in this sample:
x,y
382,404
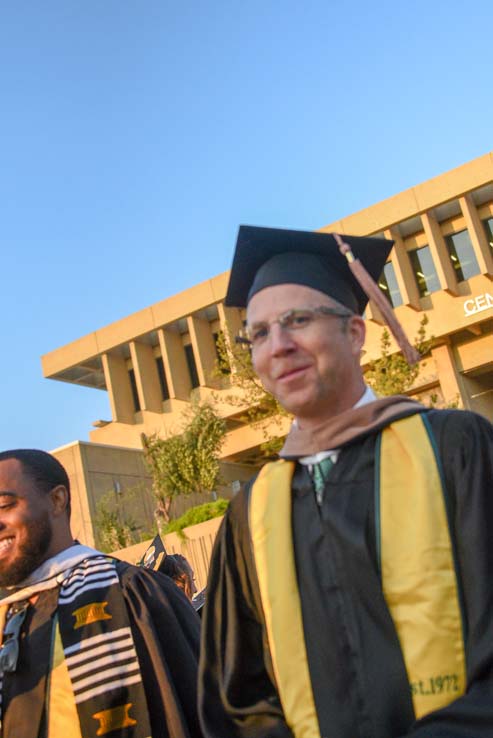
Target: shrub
x,y
196,515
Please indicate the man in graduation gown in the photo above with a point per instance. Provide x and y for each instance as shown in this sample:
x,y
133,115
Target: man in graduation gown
x,y
90,646
350,592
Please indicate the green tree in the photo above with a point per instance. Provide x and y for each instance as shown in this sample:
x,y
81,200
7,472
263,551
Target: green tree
x,y
186,462
390,374
115,528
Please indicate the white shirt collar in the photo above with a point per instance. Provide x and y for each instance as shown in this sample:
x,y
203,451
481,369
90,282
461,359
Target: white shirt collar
x,y
367,396
49,574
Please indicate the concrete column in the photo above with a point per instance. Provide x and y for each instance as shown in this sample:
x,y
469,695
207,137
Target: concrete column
x,y
204,348
146,377
448,376
403,270
230,319
443,265
482,249
118,384
175,364
372,312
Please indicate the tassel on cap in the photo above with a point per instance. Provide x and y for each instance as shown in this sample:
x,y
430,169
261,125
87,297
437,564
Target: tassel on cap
x,y
411,355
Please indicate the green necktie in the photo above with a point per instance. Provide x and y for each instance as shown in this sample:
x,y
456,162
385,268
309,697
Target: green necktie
x,y
319,473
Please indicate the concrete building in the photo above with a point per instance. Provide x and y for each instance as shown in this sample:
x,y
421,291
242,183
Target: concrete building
x,y
101,474
151,362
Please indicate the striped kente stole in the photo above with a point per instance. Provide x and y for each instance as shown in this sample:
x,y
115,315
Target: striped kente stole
x,y
95,678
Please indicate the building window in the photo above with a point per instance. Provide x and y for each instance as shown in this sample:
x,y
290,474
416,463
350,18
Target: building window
x,y
488,228
462,255
162,378
424,271
192,366
133,387
388,285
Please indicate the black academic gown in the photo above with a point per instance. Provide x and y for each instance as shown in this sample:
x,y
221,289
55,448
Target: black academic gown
x,y
166,632
357,670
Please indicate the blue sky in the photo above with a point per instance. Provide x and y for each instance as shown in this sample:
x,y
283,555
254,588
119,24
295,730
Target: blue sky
x,y
136,136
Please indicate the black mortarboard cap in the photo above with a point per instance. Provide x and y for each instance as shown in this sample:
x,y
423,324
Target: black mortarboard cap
x,y
265,257
154,554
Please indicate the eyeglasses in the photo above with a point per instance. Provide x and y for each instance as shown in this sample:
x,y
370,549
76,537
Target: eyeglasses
x,y
9,651
293,320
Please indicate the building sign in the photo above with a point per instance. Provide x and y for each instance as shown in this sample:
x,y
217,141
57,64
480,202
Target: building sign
x,y
478,304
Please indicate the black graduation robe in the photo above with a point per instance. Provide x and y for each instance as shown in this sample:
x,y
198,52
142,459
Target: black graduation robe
x,y
166,633
357,670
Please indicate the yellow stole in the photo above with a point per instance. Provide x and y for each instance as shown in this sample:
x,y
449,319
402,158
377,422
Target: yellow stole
x,y
418,575
3,619
419,579
61,710
270,527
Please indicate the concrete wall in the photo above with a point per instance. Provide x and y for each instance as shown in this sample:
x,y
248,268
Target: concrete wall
x,y
116,474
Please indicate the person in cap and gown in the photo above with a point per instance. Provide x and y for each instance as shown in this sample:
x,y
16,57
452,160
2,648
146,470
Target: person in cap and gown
x,y
350,592
89,645
177,568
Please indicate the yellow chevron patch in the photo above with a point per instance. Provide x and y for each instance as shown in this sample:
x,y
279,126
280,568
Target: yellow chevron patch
x,y
114,719
92,613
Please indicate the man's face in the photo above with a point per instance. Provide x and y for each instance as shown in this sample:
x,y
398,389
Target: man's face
x,y
314,371
25,524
